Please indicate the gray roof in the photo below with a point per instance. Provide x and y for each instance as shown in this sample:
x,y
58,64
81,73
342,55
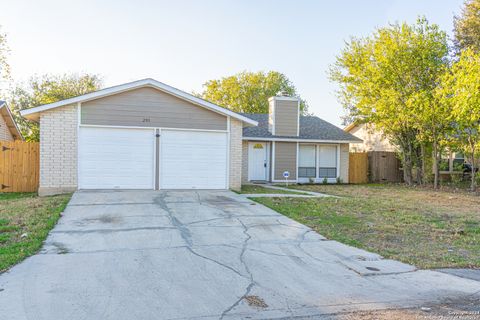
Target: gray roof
x,y
311,128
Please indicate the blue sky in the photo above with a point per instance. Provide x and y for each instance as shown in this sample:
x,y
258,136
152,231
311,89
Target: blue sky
x,y
185,43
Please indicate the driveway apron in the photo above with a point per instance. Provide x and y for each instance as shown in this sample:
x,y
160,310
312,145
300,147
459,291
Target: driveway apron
x,y
203,255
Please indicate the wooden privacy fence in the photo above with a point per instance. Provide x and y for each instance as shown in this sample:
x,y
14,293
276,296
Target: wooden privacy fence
x,y
374,166
19,166
358,167
384,167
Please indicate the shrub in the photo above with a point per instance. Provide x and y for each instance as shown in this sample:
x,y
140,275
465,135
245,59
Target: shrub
x,y
456,178
325,181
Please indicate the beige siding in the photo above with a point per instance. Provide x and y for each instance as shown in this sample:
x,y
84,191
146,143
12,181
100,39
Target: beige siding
x,y
148,107
344,157
286,118
285,160
58,150
5,133
236,130
245,162
271,105
373,140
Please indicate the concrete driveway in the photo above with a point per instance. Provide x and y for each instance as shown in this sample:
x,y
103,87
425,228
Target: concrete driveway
x,y
210,255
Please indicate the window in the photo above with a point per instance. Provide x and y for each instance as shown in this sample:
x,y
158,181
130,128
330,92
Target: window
x,y
306,161
327,161
458,161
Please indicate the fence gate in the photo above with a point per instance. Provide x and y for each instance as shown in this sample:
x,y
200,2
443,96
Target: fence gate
x,y
358,167
19,166
384,167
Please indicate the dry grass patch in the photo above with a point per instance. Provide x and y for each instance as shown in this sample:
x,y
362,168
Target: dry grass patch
x,y
429,229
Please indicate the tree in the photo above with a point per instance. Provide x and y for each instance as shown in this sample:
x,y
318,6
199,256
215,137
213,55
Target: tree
x,y
249,91
48,89
460,91
4,66
388,79
467,27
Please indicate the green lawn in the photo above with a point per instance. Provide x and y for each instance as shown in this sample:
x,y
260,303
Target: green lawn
x,y
430,229
25,220
251,189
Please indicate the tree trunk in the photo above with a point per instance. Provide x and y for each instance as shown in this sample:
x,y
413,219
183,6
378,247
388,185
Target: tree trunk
x,y
424,167
419,165
407,168
435,165
472,184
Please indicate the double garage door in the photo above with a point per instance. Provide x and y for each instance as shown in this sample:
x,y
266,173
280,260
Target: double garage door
x,y
114,158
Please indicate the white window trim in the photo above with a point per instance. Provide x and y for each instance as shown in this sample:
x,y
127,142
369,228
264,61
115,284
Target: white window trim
x,y
317,164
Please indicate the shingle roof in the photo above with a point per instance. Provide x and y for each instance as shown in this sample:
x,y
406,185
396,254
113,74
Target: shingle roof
x,y
311,128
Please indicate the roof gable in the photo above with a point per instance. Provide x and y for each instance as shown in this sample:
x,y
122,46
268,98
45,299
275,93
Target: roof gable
x,y
33,113
10,121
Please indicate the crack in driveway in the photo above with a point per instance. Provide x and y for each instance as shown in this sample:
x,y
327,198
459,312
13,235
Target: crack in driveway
x,y
186,234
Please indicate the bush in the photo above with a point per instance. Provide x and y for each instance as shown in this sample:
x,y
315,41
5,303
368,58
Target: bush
x,y
325,181
456,178
339,180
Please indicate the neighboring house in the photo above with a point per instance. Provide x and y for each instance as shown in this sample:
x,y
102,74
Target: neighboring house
x,y
148,135
9,130
373,140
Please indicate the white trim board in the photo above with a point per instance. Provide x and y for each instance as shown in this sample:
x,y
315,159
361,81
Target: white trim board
x,y
140,127
299,140
30,113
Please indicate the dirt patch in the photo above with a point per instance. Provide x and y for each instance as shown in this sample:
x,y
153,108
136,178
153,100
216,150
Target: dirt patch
x,y
256,301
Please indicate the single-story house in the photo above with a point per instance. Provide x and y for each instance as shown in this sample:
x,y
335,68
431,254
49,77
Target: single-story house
x,y
9,130
148,135
372,139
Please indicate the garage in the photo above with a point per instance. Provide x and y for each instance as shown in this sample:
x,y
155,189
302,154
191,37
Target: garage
x,y
125,158
114,158
138,135
193,159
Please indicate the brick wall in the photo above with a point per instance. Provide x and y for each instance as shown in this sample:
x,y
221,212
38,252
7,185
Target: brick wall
x,y
58,150
236,131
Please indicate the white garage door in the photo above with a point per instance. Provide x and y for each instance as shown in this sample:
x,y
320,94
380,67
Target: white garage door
x,y
116,158
193,160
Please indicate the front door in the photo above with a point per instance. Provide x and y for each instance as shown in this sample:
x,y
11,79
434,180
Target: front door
x,y
257,161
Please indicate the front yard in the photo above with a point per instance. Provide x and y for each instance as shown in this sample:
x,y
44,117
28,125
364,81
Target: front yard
x,y
430,229
25,220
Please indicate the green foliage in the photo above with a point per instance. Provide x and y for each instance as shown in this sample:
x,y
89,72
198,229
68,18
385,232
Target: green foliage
x,y
477,178
47,89
4,66
389,78
249,91
459,91
456,179
325,181
467,27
